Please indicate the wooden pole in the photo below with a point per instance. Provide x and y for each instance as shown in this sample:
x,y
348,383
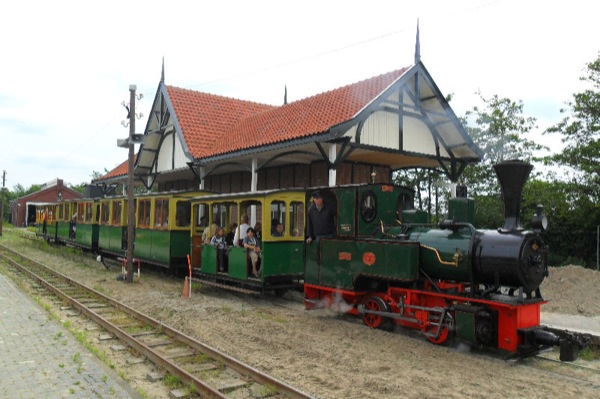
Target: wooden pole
x,y
130,199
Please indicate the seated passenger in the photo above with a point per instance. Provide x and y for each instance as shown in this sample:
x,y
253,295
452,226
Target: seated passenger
x,y
230,237
240,232
251,244
218,240
258,230
278,230
208,233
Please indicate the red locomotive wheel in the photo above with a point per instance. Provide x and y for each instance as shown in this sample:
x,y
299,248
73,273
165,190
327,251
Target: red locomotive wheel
x,y
441,339
377,304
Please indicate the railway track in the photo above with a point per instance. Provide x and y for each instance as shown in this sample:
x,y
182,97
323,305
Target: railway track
x,y
211,373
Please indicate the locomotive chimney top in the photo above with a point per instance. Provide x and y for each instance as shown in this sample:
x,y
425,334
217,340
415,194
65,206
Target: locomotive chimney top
x,y
512,176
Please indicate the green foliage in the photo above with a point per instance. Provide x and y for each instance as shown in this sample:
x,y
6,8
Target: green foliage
x,y
499,131
581,134
572,218
489,212
430,187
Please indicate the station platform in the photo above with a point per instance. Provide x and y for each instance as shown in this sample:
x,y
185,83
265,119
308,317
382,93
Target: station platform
x,y
39,358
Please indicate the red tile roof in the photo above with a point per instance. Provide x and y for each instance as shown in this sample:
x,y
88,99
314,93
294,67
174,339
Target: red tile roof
x,y
205,118
213,125
120,170
305,117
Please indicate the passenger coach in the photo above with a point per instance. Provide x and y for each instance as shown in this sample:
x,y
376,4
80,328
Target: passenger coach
x,y
282,263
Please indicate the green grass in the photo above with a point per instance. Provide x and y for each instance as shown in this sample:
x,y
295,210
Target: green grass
x,y
590,353
172,381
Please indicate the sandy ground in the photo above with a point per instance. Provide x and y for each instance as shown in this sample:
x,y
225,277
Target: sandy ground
x,y
336,356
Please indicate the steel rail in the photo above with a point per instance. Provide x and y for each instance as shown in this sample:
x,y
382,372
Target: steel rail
x,y
155,357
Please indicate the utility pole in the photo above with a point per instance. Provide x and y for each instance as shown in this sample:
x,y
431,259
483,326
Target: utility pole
x,y
130,200
2,201
130,143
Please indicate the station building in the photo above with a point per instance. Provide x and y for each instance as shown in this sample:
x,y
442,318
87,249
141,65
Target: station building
x,y
358,133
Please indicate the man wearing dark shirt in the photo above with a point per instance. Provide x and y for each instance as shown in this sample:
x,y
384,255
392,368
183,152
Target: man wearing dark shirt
x,y
320,219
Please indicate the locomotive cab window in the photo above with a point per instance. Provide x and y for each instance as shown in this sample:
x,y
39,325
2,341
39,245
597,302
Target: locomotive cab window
x,y
368,206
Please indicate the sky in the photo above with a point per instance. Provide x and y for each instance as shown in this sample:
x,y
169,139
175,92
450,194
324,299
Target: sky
x,y
66,66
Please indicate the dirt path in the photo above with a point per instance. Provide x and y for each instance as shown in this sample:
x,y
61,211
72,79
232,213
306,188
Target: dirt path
x,y
333,356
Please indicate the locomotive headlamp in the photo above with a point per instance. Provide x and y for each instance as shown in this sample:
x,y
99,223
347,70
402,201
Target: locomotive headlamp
x,y
539,221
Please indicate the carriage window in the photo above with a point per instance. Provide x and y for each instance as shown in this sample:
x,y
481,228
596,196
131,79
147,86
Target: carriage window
x,y
220,214
97,213
368,206
297,219
183,214
277,216
117,208
80,213
105,212
60,211
202,215
88,212
161,213
144,213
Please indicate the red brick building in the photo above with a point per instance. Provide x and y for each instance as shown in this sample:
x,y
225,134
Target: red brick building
x,y
23,209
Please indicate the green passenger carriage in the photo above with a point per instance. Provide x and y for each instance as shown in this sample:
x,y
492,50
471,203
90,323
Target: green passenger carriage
x,y
112,228
162,228
87,227
162,234
282,263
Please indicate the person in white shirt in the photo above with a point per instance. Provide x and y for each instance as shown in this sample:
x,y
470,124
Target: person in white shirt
x,y
240,233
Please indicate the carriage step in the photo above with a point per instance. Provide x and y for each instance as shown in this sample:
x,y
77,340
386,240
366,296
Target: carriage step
x,y
227,287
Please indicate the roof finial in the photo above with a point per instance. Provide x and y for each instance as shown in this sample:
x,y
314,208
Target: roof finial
x,y
162,73
285,96
417,46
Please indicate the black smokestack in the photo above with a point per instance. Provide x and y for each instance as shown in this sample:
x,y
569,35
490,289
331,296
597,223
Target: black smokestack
x,y
512,176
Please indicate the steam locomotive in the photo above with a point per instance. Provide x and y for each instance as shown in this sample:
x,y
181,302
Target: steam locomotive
x,y
481,286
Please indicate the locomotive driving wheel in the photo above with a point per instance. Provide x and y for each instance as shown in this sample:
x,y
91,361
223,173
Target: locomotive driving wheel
x,y
441,338
376,304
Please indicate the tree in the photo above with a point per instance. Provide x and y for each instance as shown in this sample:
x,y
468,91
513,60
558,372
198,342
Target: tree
x,y
581,133
499,131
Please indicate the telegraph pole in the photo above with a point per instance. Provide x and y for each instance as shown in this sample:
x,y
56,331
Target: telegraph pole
x,y
130,200
129,143
2,201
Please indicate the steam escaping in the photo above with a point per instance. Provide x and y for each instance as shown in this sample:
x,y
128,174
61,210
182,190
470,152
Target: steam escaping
x,y
334,304
463,348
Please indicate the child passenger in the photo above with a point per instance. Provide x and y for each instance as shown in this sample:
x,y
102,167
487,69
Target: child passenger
x,y
252,245
218,240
